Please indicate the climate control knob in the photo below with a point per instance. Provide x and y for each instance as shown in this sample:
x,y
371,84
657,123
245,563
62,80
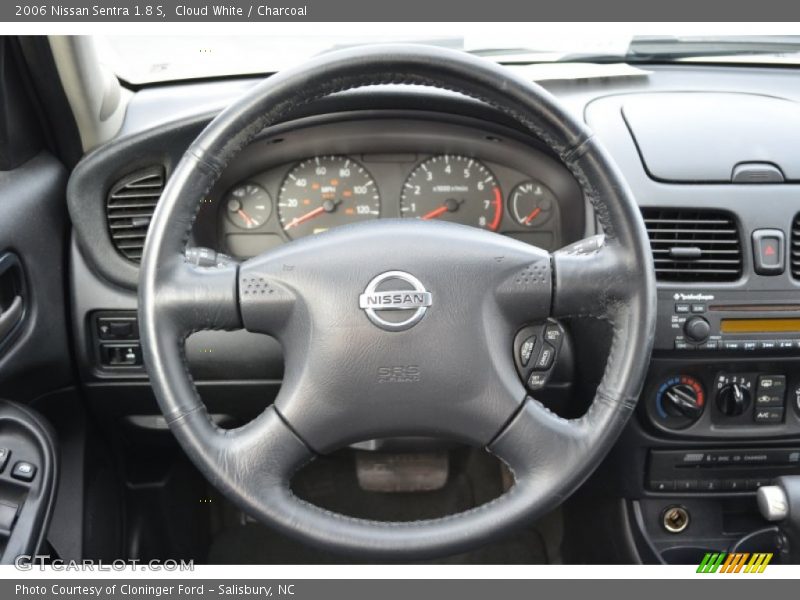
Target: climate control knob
x,y
683,400
733,399
679,402
696,329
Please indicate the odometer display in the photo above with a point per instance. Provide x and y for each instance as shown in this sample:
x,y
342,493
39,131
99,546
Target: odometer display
x,y
324,192
453,188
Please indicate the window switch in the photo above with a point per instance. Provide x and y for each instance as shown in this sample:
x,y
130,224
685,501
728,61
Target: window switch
x,y
5,453
8,514
24,471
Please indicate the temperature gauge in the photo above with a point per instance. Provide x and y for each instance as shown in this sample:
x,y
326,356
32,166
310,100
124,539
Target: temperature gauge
x,y
531,203
248,205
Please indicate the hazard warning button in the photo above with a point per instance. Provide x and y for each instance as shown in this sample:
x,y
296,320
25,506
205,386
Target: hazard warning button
x,y
768,251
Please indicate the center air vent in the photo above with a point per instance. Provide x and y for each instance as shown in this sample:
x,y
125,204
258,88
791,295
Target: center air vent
x,y
130,206
794,252
693,245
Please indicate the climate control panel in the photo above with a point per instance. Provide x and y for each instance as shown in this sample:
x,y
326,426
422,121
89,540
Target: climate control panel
x,y
720,403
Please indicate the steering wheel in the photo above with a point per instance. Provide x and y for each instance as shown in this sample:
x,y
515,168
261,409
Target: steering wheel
x,y
437,302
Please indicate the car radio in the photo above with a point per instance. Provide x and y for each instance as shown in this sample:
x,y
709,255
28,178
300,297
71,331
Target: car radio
x,y
723,321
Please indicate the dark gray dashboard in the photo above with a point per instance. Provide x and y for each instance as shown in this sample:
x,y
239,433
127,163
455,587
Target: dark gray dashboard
x,y
391,129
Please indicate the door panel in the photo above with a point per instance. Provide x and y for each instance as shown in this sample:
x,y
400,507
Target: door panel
x,y
34,346
33,230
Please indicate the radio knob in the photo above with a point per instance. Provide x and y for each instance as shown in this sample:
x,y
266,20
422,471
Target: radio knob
x,y
697,329
733,399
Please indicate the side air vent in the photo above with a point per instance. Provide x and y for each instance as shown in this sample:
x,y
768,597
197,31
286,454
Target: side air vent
x,y
129,208
794,254
693,245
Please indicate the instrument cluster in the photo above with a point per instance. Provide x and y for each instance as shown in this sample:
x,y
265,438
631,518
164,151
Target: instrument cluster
x,y
318,193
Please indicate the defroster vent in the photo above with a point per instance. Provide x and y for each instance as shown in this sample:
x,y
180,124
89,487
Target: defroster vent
x,y
130,206
694,245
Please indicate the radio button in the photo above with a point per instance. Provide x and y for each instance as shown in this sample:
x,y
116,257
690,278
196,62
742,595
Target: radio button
x,y
785,344
681,345
710,485
728,345
749,345
710,345
754,484
681,308
768,345
735,485
698,308
662,485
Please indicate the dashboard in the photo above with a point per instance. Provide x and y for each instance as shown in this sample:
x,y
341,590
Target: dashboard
x,y
369,169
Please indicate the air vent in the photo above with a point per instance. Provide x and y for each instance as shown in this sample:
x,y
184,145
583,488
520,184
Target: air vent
x,y
130,206
794,255
693,245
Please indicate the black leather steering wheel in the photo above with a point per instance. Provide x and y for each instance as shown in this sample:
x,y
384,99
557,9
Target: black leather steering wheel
x,y
474,290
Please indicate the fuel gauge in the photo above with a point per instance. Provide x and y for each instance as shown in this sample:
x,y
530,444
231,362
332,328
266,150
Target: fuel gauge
x,y
248,205
531,203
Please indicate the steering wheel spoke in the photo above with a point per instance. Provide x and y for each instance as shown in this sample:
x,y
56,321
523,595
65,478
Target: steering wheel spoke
x,y
199,298
537,443
592,278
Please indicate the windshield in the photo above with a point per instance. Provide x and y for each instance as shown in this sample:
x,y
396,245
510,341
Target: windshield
x,y
151,59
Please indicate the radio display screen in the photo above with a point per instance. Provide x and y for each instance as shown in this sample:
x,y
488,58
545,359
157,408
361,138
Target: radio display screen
x,y
760,326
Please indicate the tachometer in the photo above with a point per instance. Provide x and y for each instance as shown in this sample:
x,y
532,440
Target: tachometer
x,y
326,191
453,188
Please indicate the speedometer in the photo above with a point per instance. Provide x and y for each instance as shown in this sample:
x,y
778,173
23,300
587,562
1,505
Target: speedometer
x,y
453,188
326,191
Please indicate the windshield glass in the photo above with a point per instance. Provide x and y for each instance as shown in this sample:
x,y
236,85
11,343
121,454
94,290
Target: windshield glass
x,y
150,59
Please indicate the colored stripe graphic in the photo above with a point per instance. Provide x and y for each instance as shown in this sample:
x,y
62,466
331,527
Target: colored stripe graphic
x,y
734,563
711,562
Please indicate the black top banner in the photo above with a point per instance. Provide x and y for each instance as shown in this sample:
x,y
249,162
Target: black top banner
x,y
407,10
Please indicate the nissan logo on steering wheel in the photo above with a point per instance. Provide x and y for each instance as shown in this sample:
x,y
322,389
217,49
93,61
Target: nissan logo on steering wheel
x,y
390,296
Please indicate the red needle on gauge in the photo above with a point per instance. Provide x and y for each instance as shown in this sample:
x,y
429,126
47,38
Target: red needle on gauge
x,y
435,212
306,217
450,205
534,213
246,217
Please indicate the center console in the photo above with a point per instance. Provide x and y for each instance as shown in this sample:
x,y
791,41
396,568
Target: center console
x,y
719,418
719,414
